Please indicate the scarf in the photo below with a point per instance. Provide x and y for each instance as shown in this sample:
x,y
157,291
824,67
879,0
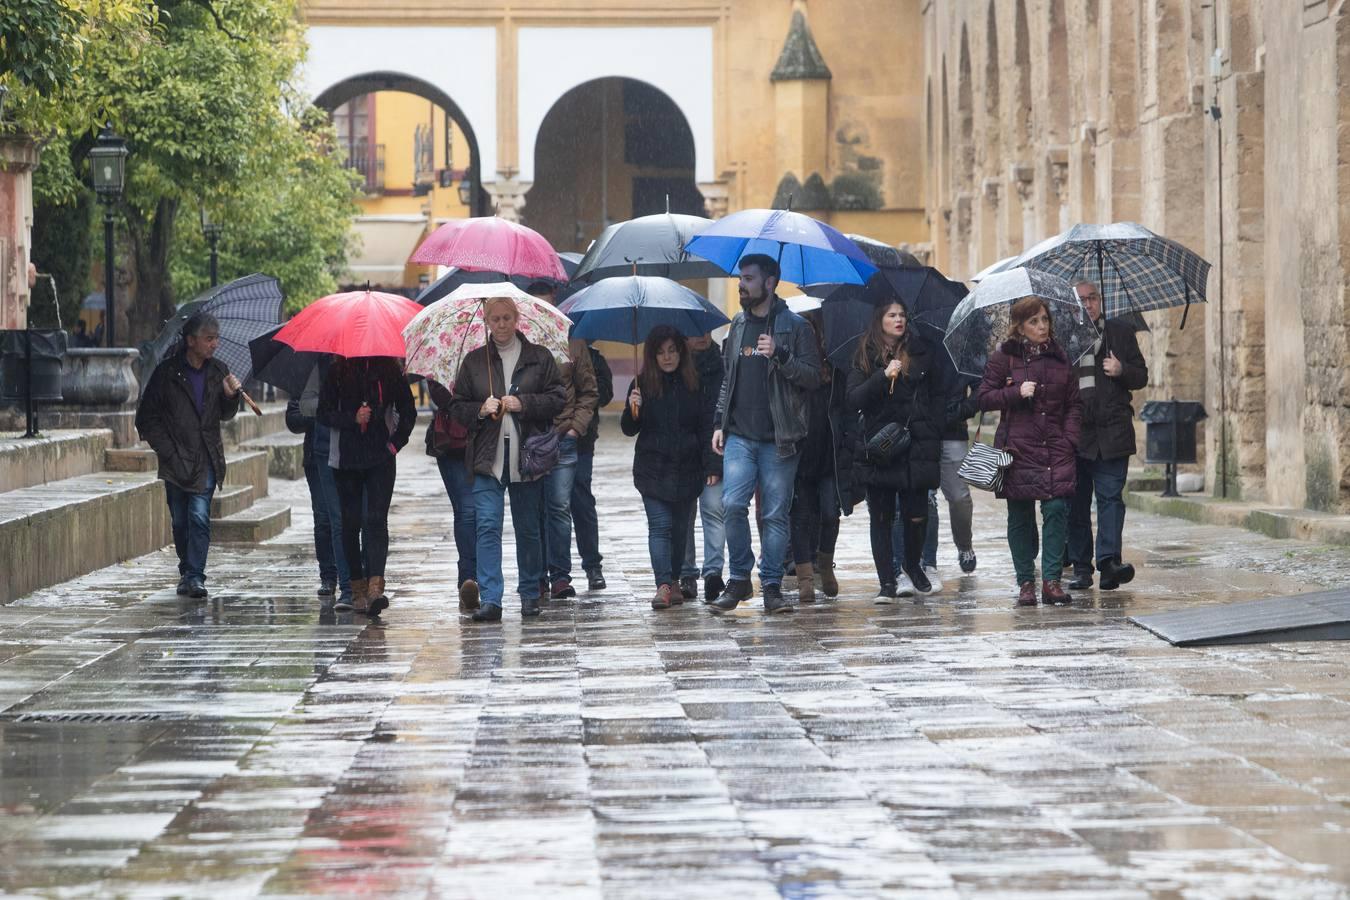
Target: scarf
x,y
1087,372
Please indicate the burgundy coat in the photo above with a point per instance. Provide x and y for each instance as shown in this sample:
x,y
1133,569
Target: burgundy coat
x,y
1040,433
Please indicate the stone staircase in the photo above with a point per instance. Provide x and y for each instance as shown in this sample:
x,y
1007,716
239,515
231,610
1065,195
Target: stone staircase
x,y
71,502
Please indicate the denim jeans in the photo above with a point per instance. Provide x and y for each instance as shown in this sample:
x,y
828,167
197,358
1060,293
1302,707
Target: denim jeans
x,y
709,506
323,499
365,495
745,466
191,517
1022,537
666,524
584,519
897,521
1106,479
489,503
557,513
960,506
458,483
815,519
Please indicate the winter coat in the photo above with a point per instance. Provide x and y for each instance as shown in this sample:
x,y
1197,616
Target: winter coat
x,y
604,383
794,371
913,402
380,383
674,456
1108,417
583,396
1040,433
536,381
167,419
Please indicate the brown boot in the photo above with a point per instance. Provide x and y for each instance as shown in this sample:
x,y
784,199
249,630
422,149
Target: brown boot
x,y
1053,592
829,586
468,596
1026,596
375,591
360,599
806,583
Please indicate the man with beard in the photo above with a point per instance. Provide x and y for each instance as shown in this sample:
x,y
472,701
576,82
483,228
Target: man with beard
x,y
772,364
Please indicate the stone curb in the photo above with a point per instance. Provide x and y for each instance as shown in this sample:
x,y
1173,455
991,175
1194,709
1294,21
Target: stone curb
x,y
1298,524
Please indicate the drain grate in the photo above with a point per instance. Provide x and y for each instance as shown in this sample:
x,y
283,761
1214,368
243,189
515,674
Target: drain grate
x,y
89,718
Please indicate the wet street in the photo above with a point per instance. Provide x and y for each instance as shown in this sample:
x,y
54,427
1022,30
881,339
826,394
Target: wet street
x,y
248,745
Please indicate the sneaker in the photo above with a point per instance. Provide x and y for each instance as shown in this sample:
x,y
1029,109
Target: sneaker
x,y
903,586
713,585
689,588
595,580
663,600
774,601
344,604
967,560
934,578
922,586
735,592
562,590
489,612
885,596
327,588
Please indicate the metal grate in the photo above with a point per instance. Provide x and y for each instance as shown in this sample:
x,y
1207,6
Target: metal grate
x,y
87,718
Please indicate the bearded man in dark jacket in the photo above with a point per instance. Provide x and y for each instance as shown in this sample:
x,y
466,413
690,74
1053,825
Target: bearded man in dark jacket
x,y
1107,375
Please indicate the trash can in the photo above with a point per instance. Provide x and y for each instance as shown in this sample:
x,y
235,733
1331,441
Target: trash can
x,y
1169,436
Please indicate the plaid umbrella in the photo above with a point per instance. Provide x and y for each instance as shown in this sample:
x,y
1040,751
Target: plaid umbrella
x,y
1135,269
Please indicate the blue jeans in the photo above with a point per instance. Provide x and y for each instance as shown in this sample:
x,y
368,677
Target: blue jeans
x,y
745,466
709,506
323,499
458,483
191,517
666,524
489,503
584,519
1106,479
557,515
960,506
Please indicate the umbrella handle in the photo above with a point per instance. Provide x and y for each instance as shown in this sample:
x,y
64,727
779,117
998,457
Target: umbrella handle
x,y
634,410
257,410
892,388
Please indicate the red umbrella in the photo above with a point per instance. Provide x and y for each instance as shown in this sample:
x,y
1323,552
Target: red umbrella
x,y
360,323
491,244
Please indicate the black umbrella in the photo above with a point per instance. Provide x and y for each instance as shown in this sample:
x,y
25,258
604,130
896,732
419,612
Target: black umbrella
x,y
846,309
883,256
456,277
647,245
281,365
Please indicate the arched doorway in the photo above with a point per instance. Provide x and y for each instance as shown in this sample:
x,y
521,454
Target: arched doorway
x,y
418,158
609,150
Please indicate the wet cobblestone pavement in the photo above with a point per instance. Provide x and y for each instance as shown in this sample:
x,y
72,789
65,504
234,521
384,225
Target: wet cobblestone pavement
x,y
249,746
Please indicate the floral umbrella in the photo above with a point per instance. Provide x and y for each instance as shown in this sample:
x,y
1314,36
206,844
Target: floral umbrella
x,y
441,335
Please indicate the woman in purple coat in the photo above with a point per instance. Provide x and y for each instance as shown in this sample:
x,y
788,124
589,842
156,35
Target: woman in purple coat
x,y
1032,383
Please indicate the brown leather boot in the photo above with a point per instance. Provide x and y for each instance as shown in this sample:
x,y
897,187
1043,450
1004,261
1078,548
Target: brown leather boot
x,y
360,599
375,591
468,596
1053,592
806,583
1026,596
829,586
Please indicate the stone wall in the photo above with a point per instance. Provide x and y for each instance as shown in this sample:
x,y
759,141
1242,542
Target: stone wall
x,y
1043,113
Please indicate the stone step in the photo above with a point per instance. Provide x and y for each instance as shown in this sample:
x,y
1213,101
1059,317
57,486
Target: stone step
x,y
247,467
25,462
260,522
285,453
231,499
137,458
53,532
246,427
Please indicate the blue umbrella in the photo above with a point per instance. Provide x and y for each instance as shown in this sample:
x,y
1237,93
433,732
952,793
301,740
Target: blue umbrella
x,y
809,252
627,309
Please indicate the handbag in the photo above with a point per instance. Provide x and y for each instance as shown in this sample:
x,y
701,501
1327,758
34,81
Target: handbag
x,y
539,454
447,434
984,466
890,442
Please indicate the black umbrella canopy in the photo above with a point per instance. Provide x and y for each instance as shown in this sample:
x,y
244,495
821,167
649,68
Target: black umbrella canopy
x,y
245,308
881,255
847,310
647,245
281,365
456,277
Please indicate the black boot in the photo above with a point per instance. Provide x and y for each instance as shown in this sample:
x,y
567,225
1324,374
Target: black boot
x,y
1082,579
1115,573
713,585
736,592
915,532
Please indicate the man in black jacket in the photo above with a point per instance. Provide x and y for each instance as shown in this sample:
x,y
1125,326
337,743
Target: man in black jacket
x,y
188,396
1106,376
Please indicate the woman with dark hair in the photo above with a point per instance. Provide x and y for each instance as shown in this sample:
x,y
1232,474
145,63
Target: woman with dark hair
x,y
369,406
890,385
673,460
1031,382
814,518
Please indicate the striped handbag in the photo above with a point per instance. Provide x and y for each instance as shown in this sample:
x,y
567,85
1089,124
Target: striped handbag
x,y
984,465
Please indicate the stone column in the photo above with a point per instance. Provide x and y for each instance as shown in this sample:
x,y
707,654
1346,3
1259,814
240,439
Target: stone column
x,y
987,225
18,158
508,194
716,198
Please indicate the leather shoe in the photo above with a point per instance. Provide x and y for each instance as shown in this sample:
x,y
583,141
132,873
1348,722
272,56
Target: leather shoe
x,y
1115,573
689,588
595,580
736,591
487,613
529,609
774,601
713,585
1083,580
196,589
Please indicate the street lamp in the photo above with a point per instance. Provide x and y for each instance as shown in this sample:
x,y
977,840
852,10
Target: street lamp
x,y
107,163
211,231
466,191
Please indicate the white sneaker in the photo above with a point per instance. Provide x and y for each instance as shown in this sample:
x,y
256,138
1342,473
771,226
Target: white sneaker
x,y
903,586
934,577
884,597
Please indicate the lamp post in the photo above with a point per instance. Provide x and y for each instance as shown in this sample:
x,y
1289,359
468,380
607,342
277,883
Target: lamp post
x,y
466,192
107,163
211,231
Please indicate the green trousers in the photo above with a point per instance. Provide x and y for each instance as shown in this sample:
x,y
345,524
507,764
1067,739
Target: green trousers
x,y
1022,537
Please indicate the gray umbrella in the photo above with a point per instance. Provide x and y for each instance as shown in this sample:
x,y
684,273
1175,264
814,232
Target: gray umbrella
x,y
654,244
981,321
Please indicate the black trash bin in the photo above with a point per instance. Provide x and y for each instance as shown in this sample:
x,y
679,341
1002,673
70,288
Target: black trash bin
x,y
1169,436
30,368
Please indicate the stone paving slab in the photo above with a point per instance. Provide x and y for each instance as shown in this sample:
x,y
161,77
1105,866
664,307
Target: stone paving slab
x,y
954,747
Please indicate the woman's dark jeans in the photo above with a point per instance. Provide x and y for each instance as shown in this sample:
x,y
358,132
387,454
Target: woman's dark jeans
x,y
814,519
365,495
667,524
882,505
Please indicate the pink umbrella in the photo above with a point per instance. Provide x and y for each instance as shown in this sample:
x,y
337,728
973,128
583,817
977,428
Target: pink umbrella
x,y
491,244
360,323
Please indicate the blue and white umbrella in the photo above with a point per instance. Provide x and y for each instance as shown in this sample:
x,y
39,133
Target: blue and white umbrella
x,y
808,252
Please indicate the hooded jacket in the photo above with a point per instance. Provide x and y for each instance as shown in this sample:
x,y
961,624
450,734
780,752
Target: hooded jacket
x,y
379,383
167,419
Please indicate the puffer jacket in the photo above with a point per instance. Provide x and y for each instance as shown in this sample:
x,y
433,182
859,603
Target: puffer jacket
x,y
167,419
583,395
673,456
914,403
794,371
1041,433
380,383
1108,416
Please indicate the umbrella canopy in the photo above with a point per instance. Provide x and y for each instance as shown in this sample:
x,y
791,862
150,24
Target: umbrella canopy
x,y
1135,269
802,303
883,255
847,310
245,308
491,244
808,252
1002,265
456,278
441,335
281,365
354,324
981,321
654,244
627,309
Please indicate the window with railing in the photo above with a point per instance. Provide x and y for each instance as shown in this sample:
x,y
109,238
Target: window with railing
x,y
424,158
367,160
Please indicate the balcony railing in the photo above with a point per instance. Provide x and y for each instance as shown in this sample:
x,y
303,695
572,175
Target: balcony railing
x,y
368,161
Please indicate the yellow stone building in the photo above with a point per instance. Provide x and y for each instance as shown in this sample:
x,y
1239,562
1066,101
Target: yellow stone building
x,y
569,115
